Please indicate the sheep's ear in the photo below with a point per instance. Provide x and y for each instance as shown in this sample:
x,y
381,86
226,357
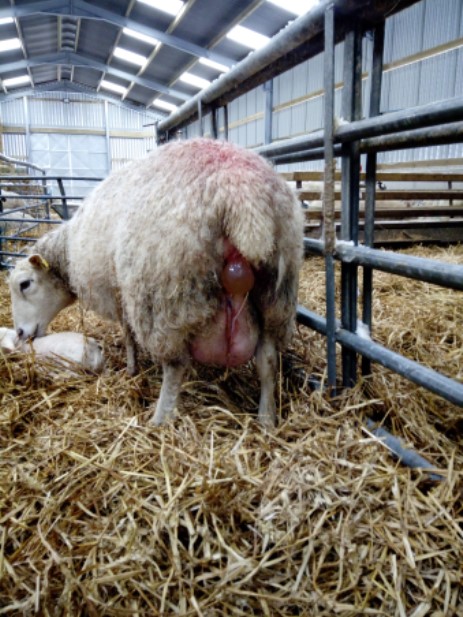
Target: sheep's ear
x,y
39,262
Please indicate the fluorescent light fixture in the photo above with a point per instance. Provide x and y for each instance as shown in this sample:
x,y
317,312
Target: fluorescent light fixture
x,y
141,37
214,65
130,56
172,7
194,80
9,44
164,105
6,20
109,85
16,81
248,38
298,7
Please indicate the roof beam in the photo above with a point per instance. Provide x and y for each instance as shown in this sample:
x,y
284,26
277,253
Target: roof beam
x,y
84,9
70,87
76,59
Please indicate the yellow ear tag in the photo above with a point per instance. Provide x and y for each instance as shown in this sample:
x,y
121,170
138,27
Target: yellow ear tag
x,y
44,263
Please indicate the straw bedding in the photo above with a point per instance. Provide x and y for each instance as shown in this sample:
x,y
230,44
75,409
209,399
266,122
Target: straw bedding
x,y
101,514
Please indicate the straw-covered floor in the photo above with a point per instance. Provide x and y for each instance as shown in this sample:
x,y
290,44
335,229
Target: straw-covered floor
x,y
101,514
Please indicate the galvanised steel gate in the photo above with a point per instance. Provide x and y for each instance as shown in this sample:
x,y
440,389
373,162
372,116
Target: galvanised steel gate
x,y
432,124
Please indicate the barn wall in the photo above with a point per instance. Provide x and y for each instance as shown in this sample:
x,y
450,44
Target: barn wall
x,y
423,60
75,134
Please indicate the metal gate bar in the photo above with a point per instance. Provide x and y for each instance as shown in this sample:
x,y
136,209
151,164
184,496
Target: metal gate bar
x,y
430,136
350,179
329,198
441,112
418,268
376,75
445,387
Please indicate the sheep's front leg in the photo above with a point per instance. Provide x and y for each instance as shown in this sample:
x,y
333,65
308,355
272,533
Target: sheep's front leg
x,y
266,362
172,379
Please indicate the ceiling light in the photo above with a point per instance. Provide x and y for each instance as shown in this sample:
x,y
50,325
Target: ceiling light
x,y
109,85
9,44
172,7
141,37
16,81
214,65
194,80
130,56
164,105
247,37
6,20
298,7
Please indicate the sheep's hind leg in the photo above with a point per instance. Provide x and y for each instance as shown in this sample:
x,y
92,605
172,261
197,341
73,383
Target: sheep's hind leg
x,y
172,378
131,351
266,362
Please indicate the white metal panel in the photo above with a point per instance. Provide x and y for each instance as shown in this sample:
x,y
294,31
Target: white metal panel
x,y
437,77
400,88
315,73
125,150
12,112
125,118
14,145
70,155
441,23
459,71
404,33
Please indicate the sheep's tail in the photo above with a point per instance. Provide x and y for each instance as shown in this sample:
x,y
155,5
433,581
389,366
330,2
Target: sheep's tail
x,y
251,229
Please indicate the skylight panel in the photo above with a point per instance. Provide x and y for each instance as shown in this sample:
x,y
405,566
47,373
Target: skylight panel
x,y
172,7
130,56
248,38
194,80
298,7
6,20
164,105
214,65
110,85
141,37
9,44
16,81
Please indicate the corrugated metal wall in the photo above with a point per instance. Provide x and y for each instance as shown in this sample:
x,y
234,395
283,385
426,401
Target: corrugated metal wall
x,y
74,133
423,60
423,63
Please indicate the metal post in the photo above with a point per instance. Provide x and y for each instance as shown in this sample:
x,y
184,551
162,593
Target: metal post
x,y
27,126
65,212
376,72
225,122
107,136
350,174
200,118
328,197
268,114
214,123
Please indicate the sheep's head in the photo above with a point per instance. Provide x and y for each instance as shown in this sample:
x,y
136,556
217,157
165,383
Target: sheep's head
x,y
37,295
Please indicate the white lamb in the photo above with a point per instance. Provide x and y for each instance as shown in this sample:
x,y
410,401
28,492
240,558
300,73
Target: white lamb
x,y
68,348
196,250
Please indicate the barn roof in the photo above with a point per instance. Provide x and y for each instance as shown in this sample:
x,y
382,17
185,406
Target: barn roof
x,y
134,50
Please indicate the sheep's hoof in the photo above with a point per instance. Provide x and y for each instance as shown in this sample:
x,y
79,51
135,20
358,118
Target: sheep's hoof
x,y
267,420
132,369
161,416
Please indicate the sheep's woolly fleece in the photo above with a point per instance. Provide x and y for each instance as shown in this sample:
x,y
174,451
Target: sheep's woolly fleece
x,y
101,514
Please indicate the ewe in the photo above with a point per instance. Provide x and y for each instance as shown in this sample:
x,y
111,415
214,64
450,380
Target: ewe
x,y
196,250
